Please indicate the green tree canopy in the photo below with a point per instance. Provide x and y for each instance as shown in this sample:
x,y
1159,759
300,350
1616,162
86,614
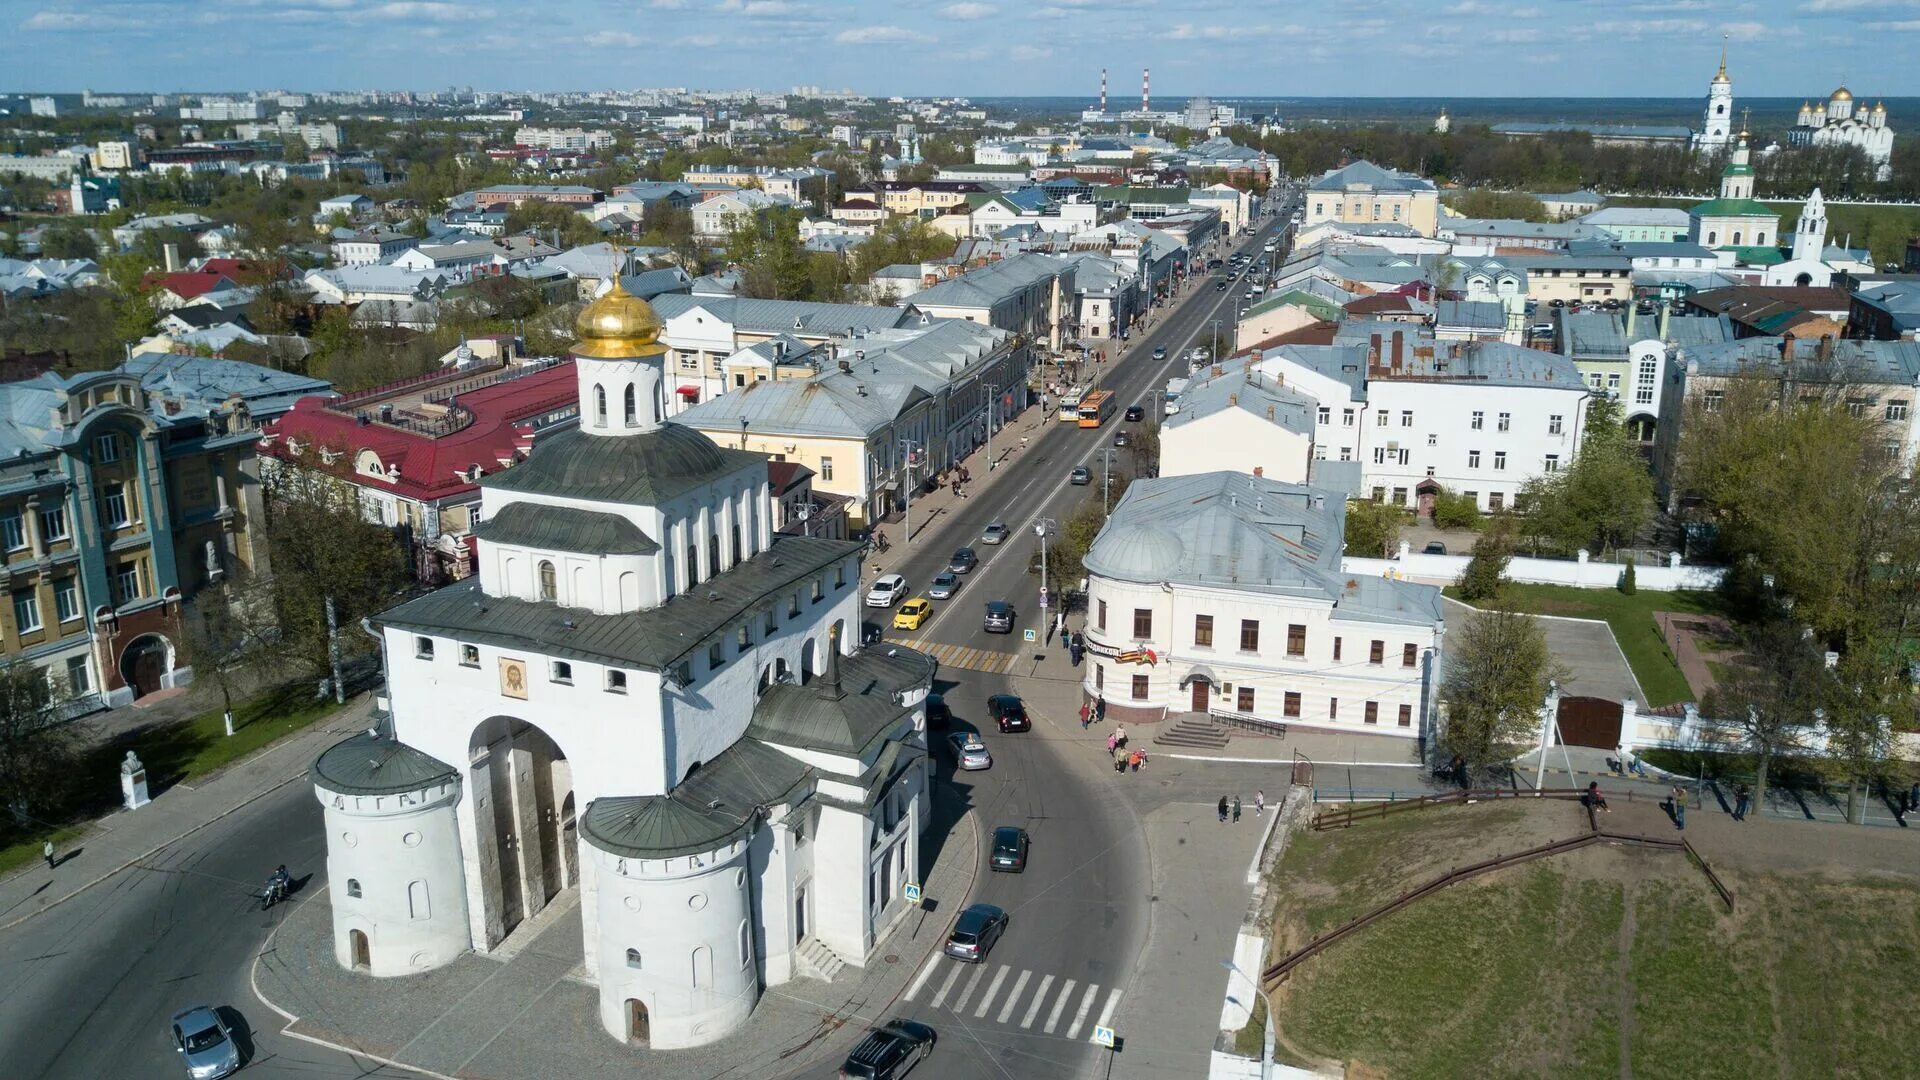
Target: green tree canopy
x,y
1497,675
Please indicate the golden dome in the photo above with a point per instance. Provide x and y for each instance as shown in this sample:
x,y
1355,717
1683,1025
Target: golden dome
x,y
1842,94
1879,106
618,326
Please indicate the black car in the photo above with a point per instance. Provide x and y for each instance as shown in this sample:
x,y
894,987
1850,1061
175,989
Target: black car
x,y
1135,414
999,619
888,1051
1009,849
1009,712
963,561
938,715
975,932
1222,286
1119,438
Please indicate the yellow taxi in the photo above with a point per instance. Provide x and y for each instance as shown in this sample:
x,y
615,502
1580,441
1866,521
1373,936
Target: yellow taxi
x,y
912,613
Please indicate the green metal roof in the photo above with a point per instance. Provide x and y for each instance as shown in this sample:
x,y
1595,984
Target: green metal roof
x,y
1734,208
1318,306
845,719
645,468
366,764
715,805
564,528
1757,256
651,640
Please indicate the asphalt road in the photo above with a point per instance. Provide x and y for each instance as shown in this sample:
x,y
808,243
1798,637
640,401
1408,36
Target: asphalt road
x,y
87,989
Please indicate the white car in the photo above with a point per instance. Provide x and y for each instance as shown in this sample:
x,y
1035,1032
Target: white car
x,y
886,591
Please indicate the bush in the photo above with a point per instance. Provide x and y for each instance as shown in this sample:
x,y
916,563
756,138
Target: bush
x,y
1626,579
1452,510
1486,571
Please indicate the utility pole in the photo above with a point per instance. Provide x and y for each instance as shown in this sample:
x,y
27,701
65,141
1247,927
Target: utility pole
x,y
1106,483
1040,529
1266,1042
993,398
907,448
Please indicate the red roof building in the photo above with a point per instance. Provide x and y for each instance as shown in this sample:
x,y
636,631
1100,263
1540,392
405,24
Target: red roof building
x,y
418,448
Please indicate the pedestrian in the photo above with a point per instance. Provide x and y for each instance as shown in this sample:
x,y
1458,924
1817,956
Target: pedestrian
x,y
1223,809
1119,761
1086,714
1236,808
1740,800
1259,802
46,849
1119,735
1594,798
1111,744
1679,807
1100,708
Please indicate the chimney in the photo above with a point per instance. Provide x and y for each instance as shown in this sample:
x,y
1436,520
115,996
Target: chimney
x,y
1373,353
1666,313
1259,470
1632,309
170,257
1397,339
833,691
1786,345
1826,348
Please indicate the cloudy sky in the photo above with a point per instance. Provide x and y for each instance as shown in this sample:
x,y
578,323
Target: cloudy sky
x,y
982,47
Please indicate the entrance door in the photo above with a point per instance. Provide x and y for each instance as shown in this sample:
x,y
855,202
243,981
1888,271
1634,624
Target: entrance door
x,y
143,665
1202,690
637,1026
362,951
800,915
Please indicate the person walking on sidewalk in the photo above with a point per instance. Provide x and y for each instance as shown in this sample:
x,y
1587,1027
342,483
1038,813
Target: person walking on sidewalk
x,y
1112,743
1679,807
1119,734
1236,808
1100,708
1741,797
1086,714
1223,809
1259,802
46,850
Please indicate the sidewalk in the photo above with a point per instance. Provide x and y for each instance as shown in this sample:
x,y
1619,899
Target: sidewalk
x,y
536,1014
119,840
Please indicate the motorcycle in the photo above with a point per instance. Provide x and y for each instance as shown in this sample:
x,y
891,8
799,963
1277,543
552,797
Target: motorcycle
x,y
275,892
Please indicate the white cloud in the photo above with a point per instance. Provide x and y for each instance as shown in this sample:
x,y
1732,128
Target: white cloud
x,y
1816,7
667,5
76,20
1481,7
1746,31
699,41
968,11
1521,36
762,8
1190,32
435,10
1903,26
880,35
619,38
1029,52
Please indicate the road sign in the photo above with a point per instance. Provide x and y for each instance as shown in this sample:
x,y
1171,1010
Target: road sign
x,y
1030,634
913,893
1043,597
1103,1036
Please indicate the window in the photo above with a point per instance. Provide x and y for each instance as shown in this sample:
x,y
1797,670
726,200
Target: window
x,y
616,681
1897,410
1249,635
1499,459
1379,494
549,582
633,959
1346,417
745,637
1409,655
826,468
14,528
1336,647
353,888
1399,496
1479,420
1291,704
79,679
113,505
1333,708
1099,677
1593,380
1373,713
1406,716
106,448
1101,622
53,523
1406,417
1405,456
793,606
1346,453
66,599
819,590
1203,631
599,406
1554,424
561,672
1379,455
772,622
1552,463
423,647
1326,415
1496,501
716,655
1473,459
26,611
469,656
1613,381
417,905
1244,702
1142,623
1856,407
1296,639
1380,418
1139,688
1433,440
1505,422
1377,652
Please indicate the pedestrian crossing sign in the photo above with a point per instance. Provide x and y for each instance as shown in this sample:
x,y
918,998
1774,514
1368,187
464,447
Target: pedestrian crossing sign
x,y
1103,1036
913,893
1030,635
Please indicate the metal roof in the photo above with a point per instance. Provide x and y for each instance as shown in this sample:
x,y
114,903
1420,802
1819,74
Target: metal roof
x,y
715,805
645,468
847,715
369,764
564,528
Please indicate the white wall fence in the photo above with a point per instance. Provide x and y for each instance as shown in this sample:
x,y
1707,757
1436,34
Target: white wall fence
x,y
1581,572
1641,730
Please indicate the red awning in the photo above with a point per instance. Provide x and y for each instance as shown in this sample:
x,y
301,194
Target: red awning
x,y
689,391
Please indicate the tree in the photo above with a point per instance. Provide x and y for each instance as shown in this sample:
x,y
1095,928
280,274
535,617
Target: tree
x,y
237,632
1602,500
552,221
1771,696
1453,510
1627,583
1487,570
1498,675
1069,545
1512,205
1373,529
38,752
67,240
1868,695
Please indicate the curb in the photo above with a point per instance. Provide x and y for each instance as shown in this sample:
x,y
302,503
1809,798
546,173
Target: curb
x,y
1289,761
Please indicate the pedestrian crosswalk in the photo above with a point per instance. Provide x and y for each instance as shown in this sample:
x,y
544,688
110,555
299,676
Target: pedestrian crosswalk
x,y
974,990
962,656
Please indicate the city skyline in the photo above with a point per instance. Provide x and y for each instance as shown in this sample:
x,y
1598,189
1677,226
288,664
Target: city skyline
x,y
981,48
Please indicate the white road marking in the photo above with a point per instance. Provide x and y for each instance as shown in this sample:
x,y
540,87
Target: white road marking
x,y
1013,997
1086,1005
1039,996
967,992
926,971
1106,1014
993,988
946,986
1059,1003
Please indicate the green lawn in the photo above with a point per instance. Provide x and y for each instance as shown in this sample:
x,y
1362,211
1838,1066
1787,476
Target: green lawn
x,y
1631,618
185,751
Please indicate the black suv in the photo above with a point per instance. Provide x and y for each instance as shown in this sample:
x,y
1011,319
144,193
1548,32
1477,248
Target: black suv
x,y
1009,712
1135,414
1009,849
888,1051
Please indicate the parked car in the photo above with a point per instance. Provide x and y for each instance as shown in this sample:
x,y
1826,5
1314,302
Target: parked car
x,y
963,561
1080,476
1009,849
999,617
938,715
975,932
969,752
888,1051
204,1043
943,586
995,534
1434,547
1544,329
1135,414
912,613
1119,438
1008,711
887,590
1159,352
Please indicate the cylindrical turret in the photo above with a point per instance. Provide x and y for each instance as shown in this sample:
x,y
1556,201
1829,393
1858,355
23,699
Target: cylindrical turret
x,y
620,365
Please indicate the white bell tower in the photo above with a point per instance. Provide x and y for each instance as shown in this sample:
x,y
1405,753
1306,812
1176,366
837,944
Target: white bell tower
x,y
1717,130
1810,232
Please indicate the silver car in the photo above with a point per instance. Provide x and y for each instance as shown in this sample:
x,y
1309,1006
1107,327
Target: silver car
x,y
204,1043
969,752
943,585
996,533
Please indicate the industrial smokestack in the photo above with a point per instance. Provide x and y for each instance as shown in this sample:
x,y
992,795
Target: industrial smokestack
x,y
1103,89
1146,98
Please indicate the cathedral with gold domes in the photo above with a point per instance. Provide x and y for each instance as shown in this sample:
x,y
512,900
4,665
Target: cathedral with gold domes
x,y
644,726
1842,122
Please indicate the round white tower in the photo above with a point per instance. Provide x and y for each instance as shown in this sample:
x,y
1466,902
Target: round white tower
x,y
394,872
675,943
619,363
1717,129
1810,232
1840,105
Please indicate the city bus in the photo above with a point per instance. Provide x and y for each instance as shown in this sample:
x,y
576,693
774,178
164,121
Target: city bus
x,y
1096,408
1070,404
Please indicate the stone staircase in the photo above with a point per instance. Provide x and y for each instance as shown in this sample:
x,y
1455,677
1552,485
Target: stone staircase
x,y
818,961
1193,731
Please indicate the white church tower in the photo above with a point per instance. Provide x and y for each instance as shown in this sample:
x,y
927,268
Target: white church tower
x,y
1810,233
1717,129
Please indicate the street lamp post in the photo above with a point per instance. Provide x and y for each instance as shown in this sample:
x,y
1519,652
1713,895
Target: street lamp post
x,y
1266,1035
1106,483
993,398
1041,529
907,448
